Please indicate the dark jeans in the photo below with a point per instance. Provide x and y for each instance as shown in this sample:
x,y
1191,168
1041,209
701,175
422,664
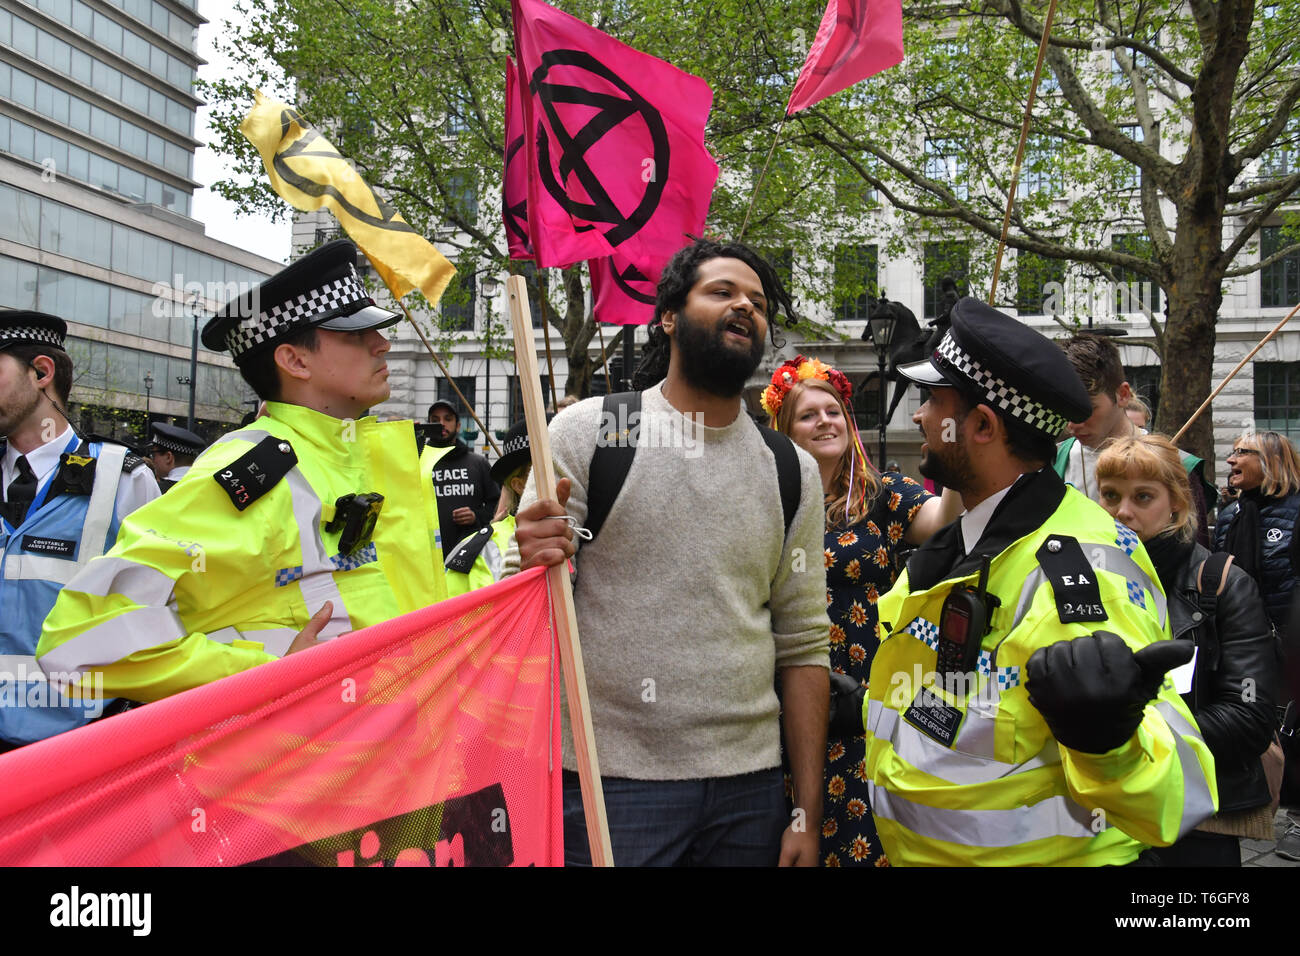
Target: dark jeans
x,y
719,821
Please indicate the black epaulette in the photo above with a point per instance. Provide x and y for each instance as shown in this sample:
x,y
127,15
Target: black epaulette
x,y
255,473
467,550
131,462
1073,580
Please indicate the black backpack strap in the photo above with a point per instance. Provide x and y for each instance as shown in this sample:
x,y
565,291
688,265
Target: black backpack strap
x,y
1211,578
612,459
787,472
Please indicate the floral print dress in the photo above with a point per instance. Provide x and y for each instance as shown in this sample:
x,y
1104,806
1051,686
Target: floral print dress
x,y
859,568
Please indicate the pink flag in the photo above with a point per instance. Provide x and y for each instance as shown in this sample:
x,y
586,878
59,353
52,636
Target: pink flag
x,y
514,180
623,294
428,740
857,39
615,140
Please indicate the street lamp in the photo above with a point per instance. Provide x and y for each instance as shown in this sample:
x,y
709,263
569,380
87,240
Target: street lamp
x,y
491,288
194,306
881,325
148,391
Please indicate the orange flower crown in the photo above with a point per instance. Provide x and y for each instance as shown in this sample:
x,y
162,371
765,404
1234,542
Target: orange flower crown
x,y
796,370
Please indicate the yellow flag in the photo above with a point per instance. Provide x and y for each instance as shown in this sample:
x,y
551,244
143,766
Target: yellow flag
x,y
308,173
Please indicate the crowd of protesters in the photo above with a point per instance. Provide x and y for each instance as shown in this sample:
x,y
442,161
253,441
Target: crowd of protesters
x,y
693,578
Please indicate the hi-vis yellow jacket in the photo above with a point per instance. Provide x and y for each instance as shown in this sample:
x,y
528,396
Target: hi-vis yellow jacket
x,y
196,589
487,565
1002,791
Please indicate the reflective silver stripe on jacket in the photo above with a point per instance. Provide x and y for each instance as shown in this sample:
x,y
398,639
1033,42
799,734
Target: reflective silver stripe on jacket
x,y
970,760
1103,557
493,559
21,566
1054,817
15,667
135,630
1198,802
317,583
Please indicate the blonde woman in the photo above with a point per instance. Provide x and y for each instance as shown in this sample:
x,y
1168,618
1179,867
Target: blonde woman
x,y
1256,529
1144,486
870,517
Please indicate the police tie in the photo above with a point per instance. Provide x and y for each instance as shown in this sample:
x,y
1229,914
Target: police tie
x,y
19,494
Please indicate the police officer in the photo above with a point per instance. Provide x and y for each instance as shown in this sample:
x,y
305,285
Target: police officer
x,y
311,522
462,482
173,450
1018,710
476,560
64,499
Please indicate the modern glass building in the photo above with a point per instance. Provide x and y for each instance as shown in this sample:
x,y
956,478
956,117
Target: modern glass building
x,y
97,115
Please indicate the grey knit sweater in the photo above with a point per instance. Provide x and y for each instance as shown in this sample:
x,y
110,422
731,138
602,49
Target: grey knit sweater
x,y
689,599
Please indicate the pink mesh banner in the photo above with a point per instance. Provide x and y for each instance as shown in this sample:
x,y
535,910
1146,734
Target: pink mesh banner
x,y
429,740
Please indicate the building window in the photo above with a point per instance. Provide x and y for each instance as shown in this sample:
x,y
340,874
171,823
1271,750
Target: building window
x,y
1277,397
445,393
1040,284
516,403
1134,292
855,281
944,260
945,163
1279,283
1040,173
1145,381
462,193
529,271
458,303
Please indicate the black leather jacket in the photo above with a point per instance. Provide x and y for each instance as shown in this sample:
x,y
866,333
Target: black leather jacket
x,y
1237,671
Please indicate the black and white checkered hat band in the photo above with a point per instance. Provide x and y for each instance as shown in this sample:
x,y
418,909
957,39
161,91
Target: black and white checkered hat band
x,y
297,313
998,393
25,334
166,444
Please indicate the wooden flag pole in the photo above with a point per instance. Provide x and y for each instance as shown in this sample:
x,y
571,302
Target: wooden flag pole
x,y
1240,365
557,577
1020,150
604,361
753,196
447,375
546,336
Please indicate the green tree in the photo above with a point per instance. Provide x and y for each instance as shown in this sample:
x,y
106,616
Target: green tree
x,y
413,94
1162,140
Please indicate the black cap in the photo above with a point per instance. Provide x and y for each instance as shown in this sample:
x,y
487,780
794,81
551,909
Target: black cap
x,y
515,451
1005,364
24,327
447,404
321,290
175,439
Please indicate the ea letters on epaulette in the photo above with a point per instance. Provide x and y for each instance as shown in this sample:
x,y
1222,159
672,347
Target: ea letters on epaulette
x,y
255,473
1073,580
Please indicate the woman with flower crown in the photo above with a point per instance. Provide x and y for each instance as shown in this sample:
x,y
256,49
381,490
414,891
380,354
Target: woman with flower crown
x,y
869,518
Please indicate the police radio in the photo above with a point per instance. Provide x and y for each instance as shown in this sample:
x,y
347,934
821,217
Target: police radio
x,y
963,622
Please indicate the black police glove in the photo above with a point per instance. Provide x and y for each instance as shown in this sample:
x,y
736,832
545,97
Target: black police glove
x,y
1092,690
847,696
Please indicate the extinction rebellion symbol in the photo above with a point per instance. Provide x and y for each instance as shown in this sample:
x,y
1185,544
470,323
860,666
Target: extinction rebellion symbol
x,y
563,155
846,21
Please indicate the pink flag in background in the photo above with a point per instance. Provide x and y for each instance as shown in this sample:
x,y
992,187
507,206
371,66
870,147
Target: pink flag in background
x,y
615,141
514,180
856,39
428,740
622,293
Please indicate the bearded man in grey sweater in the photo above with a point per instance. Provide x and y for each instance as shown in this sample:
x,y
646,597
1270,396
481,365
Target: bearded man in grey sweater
x,y
694,601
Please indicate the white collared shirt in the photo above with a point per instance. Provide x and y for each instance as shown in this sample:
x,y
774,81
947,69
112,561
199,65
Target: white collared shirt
x,y
135,489
974,522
